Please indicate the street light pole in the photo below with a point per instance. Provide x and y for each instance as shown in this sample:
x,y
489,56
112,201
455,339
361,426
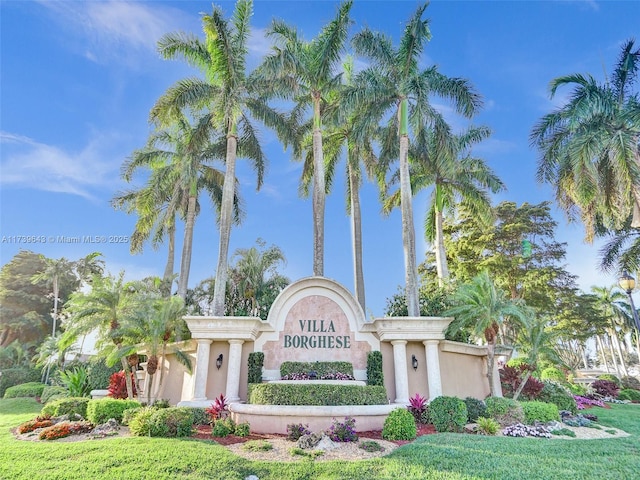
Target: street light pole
x,y
628,283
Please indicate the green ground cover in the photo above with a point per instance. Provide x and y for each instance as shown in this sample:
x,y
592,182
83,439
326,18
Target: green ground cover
x,y
440,456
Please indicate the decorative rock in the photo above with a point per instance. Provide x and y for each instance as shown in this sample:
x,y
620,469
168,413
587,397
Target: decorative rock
x,y
310,440
111,427
326,444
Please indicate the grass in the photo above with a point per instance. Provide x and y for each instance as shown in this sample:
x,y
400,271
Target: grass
x,y
442,456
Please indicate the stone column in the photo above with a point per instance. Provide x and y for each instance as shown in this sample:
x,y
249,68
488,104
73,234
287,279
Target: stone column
x,y
400,368
202,369
433,368
233,370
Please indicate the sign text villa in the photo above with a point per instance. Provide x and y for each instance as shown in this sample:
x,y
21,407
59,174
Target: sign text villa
x,y
309,338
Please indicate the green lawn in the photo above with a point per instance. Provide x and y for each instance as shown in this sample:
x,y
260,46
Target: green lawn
x,y
441,456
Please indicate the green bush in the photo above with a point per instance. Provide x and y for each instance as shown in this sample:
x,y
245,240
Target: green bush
x,y
99,411
162,422
242,429
539,412
321,368
76,381
487,426
256,361
316,394
475,408
17,376
630,382
577,389
517,361
448,414
66,406
554,374
53,393
31,389
561,396
223,427
505,411
375,375
629,394
129,413
200,416
98,374
399,425
610,377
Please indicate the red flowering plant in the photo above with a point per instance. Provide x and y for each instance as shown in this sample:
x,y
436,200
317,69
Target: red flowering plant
x,y
64,429
118,386
418,408
218,408
32,425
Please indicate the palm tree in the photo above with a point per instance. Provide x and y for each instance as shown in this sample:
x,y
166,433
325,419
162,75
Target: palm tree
x,y
306,72
481,306
395,84
230,101
442,160
108,305
177,157
254,274
56,273
590,147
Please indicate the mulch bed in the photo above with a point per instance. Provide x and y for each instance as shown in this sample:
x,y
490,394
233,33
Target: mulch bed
x,y
203,432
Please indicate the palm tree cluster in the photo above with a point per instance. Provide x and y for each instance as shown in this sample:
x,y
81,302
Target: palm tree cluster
x,y
375,116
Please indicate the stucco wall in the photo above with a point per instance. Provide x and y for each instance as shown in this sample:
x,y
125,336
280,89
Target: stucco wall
x,y
464,372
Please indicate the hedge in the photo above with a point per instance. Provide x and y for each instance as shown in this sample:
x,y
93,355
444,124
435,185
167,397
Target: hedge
x,y
540,412
101,410
162,422
321,368
16,376
31,389
375,375
66,406
316,394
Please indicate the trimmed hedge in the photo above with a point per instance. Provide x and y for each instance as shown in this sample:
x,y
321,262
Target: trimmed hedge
x,y
31,389
256,361
53,392
374,368
505,411
101,410
561,396
475,408
66,406
99,373
316,394
539,412
399,425
162,422
448,414
18,376
629,394
321,368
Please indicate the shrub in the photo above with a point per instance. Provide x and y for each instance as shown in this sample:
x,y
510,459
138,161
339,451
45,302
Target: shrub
x,y
475,408
511,378
17,376
242,429
418,408
31,389
520,430
140,423
64,429
343,431
76,381
218,406
320,368
374,369
223,427
118,385
606,388
171,422
99,373
399,425
576,389
370,446
515,362
610,377
200,416
316,394
256,361
129,413
630,382
53,393
487,426
539,412
161,403
257,446
562,397
99,411
553,374
66,406
296,430
448,414
31,425
505,411
629,394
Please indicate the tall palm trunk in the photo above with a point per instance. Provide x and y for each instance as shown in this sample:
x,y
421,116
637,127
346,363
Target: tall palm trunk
x,y
127,377
185,262
56,292
408,230
318,190
226,210
616,341
167,277
442,267
600,345
356,235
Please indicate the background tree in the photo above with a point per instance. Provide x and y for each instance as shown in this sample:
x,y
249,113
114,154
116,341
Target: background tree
x,y
394,86
482,306
589,147
306,72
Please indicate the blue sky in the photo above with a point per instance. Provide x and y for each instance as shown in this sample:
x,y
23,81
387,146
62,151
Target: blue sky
x,y
78,80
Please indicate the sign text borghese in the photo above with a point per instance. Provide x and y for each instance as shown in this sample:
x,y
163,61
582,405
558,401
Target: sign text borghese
x,y
317,334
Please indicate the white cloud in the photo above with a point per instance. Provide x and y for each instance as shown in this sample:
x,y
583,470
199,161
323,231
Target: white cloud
x,y
29,164
116,30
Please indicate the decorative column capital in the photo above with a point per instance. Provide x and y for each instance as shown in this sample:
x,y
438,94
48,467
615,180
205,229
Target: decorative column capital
x,y
235,341
426,343
398,342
